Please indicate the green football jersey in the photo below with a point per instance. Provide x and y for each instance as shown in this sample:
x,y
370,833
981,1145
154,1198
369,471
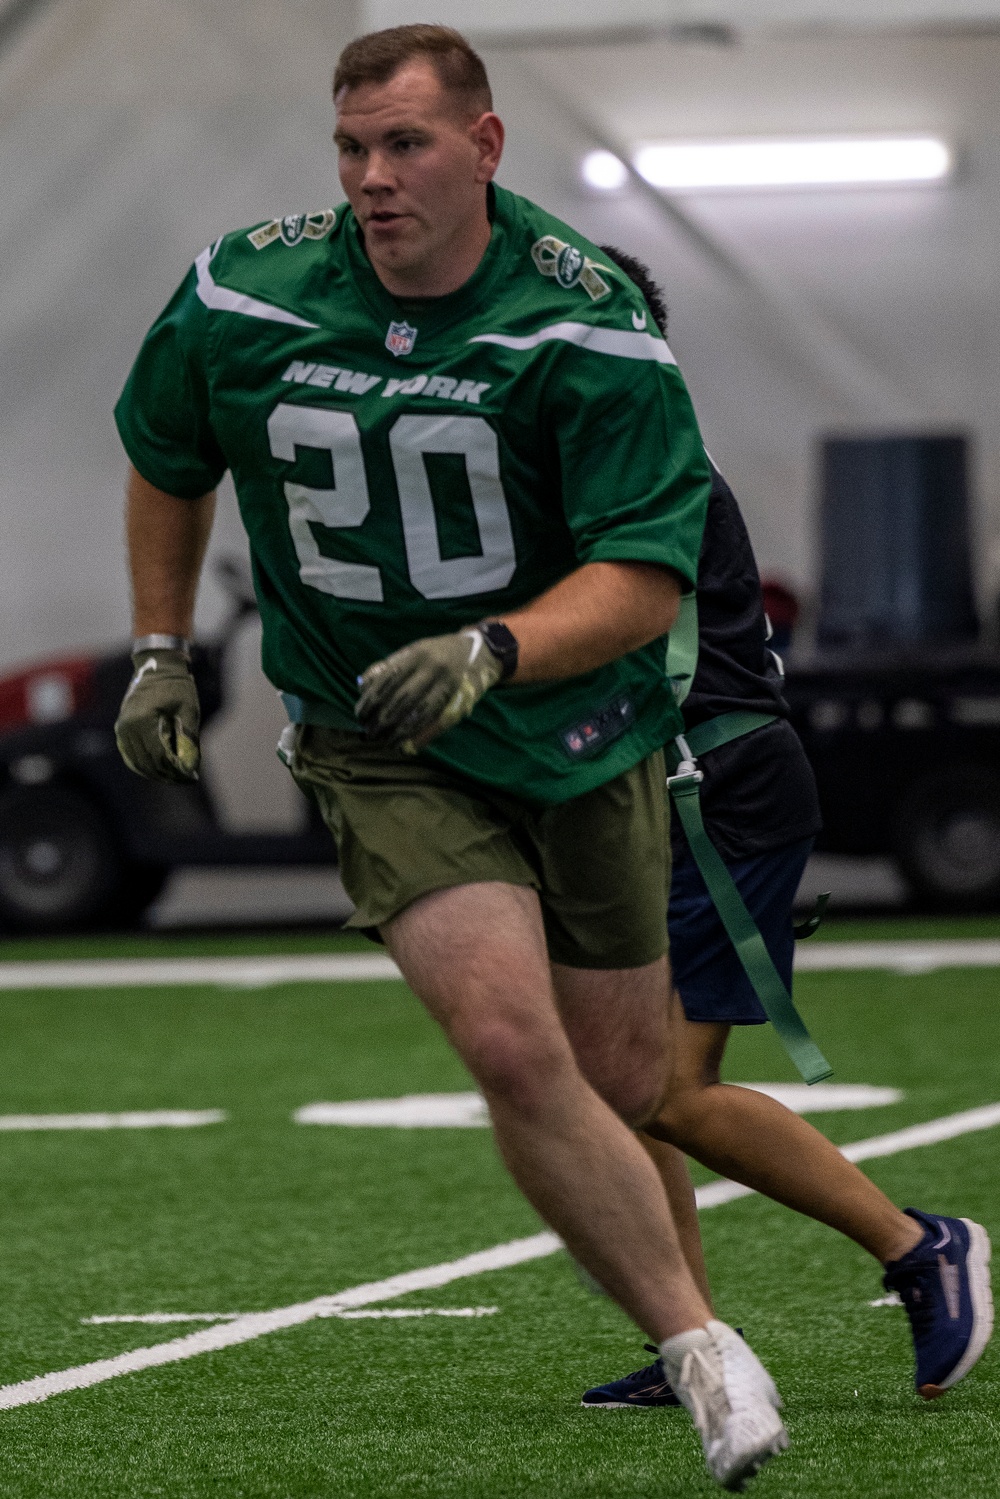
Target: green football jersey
x,y
407,468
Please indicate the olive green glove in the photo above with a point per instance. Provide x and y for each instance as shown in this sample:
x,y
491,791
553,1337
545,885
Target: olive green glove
x,y
415,694
157,728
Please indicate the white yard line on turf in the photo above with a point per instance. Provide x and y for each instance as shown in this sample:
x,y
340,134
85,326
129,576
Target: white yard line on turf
x,y
160,1317
422,1311
397,1311
469,1111
931,1133
256,1324
244,973
149,1119
518,1252
898,957
261,972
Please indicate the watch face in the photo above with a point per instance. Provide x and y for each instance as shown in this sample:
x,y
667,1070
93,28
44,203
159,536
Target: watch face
x,y
502,643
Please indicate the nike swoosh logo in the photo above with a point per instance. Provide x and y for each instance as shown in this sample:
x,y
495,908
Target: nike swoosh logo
x,y
477,645
147,665
945,1238
638,321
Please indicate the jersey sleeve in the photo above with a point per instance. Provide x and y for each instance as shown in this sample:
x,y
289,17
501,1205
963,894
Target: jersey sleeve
x,y
163,414
635,477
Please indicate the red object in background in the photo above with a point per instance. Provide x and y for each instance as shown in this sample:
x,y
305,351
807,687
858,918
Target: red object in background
x,y
782,608
781,604
46,693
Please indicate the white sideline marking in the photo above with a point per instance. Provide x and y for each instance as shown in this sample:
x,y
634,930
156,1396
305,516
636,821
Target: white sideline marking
x,y
409,1311
898,957
947,1128
414,1111
422,1311
518,1252
148,1119
159,1317
935,1130
255,1324
826,1098
292,968
469,1111
893,1299
246,973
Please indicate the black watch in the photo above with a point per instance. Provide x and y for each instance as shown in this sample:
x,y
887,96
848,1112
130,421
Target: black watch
x,y
502,643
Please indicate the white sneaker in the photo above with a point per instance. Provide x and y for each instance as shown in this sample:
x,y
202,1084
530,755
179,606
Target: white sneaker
x,y
732,1400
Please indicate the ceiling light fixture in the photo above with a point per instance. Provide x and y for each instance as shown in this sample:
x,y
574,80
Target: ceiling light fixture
x,y
603,170
693,166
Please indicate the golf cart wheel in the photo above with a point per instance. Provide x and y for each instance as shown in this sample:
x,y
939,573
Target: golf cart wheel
x,y
948,838
59,864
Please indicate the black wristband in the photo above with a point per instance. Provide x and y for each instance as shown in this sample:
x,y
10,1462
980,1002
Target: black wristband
x,y
502,643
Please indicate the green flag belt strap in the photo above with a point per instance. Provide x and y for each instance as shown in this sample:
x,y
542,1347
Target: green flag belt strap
x,y
715,732
739,924
721,730
682,648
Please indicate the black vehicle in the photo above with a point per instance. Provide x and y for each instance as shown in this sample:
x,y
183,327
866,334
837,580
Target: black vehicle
x,y
83,841
906,750
906,753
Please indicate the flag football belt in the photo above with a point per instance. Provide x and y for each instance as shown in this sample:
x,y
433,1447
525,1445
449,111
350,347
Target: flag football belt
x,y
740,926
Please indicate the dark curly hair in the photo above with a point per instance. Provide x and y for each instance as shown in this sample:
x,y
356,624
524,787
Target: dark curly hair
x,y
641,276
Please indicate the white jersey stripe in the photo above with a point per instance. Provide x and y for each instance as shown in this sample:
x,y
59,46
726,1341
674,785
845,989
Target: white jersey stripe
x,y
600,340
221,299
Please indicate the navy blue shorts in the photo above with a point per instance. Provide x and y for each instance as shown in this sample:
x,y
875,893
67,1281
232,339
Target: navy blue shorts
x,y
707,973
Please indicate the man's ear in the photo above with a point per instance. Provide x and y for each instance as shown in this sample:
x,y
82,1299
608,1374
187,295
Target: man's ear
x,y
487,135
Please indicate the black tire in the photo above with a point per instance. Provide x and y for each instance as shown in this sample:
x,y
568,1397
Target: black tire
x,y
948,838
59,863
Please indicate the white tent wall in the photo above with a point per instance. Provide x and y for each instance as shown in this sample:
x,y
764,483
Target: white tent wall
x,y
485,19
902,282
130,136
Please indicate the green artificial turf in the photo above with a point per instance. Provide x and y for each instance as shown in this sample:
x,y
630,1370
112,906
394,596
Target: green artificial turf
x,y
907,928
259,1212
190,945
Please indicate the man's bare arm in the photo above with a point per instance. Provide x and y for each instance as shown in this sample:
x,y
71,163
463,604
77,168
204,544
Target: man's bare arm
x,y
597,614
167,538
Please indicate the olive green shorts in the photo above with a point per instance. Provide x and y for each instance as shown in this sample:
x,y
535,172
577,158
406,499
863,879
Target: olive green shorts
x,y
404,827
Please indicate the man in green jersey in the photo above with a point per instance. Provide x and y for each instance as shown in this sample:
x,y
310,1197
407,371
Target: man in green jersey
x,y
474,487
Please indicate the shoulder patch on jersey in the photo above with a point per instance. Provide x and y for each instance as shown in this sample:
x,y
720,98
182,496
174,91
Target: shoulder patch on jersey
x,y
294,228
569,266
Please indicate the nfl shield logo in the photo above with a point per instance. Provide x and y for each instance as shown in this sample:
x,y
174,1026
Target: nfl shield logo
x,y
400,338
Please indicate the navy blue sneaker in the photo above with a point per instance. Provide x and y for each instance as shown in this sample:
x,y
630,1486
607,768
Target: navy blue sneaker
x,y
945,1286
643,1389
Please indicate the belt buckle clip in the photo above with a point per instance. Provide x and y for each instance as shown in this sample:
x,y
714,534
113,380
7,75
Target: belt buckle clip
x,y
687,767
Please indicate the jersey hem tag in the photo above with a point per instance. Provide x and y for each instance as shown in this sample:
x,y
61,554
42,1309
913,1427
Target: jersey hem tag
x,y
593,734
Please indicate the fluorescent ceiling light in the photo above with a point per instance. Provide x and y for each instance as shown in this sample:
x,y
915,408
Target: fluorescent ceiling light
x,y
603,170
686,166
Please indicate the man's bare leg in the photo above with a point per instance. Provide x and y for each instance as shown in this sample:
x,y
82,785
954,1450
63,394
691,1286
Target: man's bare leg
x,y
676,1178
618,1021
755,1140
476,956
